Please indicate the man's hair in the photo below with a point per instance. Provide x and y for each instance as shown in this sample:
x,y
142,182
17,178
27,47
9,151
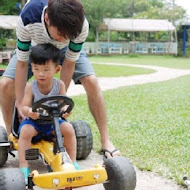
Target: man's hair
x,y
42,53
67,16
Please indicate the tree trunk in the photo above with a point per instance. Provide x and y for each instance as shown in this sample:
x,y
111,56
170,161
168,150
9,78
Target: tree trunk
x,y
23,3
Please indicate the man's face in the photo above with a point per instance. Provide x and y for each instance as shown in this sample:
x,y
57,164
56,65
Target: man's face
x,y
53,32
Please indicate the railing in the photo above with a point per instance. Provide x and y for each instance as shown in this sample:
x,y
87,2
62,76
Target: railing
x,y
130,47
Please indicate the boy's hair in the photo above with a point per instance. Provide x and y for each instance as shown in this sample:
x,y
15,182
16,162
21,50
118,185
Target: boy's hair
x,y
42,53
67,16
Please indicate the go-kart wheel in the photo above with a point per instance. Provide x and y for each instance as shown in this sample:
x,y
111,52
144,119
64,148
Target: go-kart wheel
x,y
84,138
121,174
3,150
12,178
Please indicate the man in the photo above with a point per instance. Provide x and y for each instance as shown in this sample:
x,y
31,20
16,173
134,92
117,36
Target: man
x,y
63,24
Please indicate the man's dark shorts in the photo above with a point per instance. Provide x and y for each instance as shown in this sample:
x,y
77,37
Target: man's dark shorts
x,y
83,67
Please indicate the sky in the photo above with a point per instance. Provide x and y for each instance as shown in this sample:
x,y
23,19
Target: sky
x,y
185,4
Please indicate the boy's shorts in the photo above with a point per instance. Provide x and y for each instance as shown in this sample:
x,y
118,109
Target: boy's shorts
x,y
43,130
83,67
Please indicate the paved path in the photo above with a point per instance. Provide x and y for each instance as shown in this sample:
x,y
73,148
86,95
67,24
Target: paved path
x,y
145,180
161,74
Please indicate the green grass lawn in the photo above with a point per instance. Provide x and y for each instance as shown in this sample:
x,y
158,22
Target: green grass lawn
x,y
159,60
3,66
149,123
117,71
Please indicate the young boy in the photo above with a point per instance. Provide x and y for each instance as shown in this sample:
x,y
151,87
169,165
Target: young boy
x,y
45,63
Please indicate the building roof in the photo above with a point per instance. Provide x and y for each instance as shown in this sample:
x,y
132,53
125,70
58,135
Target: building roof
x,y
8,21
136,25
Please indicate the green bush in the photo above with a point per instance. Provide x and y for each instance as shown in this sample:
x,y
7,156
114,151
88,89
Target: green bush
x,y
3,42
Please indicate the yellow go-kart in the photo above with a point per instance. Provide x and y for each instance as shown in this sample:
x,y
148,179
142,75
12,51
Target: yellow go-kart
x,y
115,174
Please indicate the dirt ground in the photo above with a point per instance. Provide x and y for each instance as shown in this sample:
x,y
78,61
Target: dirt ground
x,y
145,180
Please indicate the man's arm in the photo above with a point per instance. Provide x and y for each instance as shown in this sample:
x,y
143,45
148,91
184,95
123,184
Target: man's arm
x,y
72,54
20,83
63,92
67,72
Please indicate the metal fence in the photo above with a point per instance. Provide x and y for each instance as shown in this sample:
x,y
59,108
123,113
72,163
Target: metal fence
x,y
131,47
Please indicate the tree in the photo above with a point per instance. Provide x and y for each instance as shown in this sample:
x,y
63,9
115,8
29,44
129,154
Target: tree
x,y
96,10
22,2
12,7
8,7
158,10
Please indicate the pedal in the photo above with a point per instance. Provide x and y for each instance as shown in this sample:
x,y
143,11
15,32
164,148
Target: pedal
x,y
32,154
12,154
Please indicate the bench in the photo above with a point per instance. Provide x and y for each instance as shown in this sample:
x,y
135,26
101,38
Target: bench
x,y
141,48
5,56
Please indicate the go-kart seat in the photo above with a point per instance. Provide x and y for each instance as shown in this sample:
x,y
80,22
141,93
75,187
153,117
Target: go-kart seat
x,y
15,123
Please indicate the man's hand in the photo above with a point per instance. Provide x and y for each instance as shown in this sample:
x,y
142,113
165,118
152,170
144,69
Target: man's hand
x,y
21,116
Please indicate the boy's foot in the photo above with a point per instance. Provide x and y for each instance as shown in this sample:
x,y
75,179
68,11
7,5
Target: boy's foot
x,y
26,173
77,167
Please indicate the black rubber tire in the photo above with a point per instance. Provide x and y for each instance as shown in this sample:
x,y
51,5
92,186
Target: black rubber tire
x,y
121,174
84,138
12,178
3,150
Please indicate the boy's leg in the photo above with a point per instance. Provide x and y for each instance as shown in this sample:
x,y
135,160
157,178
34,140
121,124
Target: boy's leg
x,y
26,134
68,133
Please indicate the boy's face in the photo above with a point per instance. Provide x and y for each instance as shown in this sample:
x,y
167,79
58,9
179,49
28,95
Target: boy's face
x,y
53,32
45,73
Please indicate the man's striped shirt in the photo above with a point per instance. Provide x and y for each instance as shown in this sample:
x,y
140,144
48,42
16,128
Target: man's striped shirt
x,y
31,30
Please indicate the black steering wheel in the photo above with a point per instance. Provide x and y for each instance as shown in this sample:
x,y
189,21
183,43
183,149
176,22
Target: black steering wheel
x,y
53,105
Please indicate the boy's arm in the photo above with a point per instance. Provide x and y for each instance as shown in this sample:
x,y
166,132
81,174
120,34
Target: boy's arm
x,y
62,90
27,102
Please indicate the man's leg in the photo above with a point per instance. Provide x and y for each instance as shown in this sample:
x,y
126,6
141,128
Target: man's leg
x,y
84,74
7,92
7,98
98,109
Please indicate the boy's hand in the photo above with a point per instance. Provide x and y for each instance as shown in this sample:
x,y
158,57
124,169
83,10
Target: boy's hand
x,y
33,115
65,115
